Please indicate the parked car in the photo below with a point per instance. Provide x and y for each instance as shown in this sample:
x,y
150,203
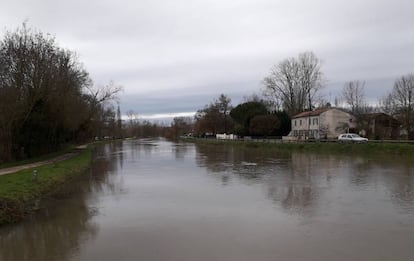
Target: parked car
x,y
351,137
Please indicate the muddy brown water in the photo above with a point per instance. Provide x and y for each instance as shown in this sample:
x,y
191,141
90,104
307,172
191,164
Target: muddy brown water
x,y
158,200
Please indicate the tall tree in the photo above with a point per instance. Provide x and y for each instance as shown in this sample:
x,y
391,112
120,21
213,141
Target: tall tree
x,y
118,122
43,85
354,93
43,99
311,76
294,83
214,117
224,106
387,105
283,86
402,98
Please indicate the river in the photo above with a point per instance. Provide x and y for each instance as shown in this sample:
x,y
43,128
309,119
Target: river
x,y
152,199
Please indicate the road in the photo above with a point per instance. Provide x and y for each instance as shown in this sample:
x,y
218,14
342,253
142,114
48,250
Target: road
x,y
40,163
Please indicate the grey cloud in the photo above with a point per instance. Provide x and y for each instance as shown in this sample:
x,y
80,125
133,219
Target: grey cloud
x,y
201,48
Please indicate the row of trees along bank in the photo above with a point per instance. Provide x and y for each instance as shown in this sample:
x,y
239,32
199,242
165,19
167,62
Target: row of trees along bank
x,y
294,85
47,98
252,117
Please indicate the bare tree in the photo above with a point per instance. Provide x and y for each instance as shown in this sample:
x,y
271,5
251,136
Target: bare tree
x,y
387,105
337,101
402,99
311,76
46,96
101,94
253,98
99,98
283,85
132,116
294,82
354,94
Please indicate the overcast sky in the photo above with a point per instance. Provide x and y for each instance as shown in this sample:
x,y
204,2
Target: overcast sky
x,y
176,56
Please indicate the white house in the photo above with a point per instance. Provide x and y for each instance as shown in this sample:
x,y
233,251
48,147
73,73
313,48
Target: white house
x,y
322,123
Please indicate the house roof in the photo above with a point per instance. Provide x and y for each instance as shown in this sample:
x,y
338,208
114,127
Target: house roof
x,y
311,113
377,115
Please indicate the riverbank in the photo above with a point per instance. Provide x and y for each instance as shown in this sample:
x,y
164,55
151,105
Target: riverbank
x,y
36,159
370,148
20,190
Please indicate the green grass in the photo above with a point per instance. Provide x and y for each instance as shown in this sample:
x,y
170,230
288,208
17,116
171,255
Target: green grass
x,y
18,191
36,159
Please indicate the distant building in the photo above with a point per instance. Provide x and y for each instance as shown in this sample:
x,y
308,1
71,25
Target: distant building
x,y
379,126
325,123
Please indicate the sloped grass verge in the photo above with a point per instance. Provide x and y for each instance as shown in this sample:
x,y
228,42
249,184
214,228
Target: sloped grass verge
x,y
19,191
36,159
370,148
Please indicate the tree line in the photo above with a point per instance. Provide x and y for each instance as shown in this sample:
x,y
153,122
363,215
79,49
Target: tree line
x,y
47,99
293,86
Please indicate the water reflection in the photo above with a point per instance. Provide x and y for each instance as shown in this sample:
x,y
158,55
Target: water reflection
x,y
297,181
49,236
108,161
151,199
180,150
65,221
401,189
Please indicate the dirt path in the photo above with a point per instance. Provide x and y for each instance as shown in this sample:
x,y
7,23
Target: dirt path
x,y
40,163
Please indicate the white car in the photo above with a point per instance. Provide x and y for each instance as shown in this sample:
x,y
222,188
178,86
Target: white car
x,y
351,137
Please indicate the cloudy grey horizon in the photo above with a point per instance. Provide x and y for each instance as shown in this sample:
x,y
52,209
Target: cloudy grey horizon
x,y
174,57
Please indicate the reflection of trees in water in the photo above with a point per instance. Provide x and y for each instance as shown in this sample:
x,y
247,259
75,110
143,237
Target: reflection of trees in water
x,y
57,231
296,181
224,161
396,174
293,180
402,191
246,162
361,169
136,147
107,160
54,234
401,186
298,186
180,150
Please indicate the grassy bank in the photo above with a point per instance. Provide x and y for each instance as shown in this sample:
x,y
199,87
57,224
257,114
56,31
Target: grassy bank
x,y
371,148
36,159
19,191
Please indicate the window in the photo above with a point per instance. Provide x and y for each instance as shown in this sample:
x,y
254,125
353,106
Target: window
x,y
300,122
295,122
